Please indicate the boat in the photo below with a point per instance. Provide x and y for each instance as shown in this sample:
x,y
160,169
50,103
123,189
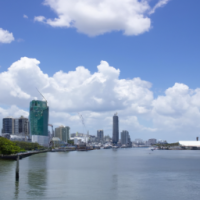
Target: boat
x,y
153,148
107,146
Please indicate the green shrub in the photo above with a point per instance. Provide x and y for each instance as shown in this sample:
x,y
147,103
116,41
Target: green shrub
x,y
8,147
28,146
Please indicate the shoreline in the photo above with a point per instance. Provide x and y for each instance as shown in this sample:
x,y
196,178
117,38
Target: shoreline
x,y
22,155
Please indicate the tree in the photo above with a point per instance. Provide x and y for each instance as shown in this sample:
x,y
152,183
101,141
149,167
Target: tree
x,y
27,145
7,147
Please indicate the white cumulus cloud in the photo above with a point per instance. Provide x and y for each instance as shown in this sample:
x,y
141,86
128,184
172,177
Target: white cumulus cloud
x,y
6,36
178,110
39,18
98,96
95,17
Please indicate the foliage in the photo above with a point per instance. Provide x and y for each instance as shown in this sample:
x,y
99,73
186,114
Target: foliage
x,y
168,145
8,147
28,146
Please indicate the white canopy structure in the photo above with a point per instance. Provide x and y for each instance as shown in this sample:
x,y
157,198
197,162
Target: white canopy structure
x,y
190,143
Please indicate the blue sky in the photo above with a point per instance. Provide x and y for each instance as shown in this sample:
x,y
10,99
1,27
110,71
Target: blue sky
x,y
166,54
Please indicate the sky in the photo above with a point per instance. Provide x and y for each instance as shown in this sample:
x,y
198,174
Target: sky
x,y
139,58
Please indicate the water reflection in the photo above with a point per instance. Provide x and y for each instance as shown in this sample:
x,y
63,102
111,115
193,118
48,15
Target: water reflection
x,y
114,182
7,178
103,175
37,175
6,166
16,189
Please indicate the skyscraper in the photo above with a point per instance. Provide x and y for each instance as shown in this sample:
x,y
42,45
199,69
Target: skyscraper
x,y
151,141
16,126
21,126
38,118
115,137
8,125
100,135
62,132
125,137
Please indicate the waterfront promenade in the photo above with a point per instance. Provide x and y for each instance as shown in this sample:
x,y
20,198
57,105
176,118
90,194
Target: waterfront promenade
x,y
21,155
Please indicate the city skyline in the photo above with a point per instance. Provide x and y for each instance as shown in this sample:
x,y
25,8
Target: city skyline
x,y
147,73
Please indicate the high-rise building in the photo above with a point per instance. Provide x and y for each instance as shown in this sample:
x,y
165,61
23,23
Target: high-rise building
x,y
100,136
16,126
62,132
125,137
21,126
151,141
38,119
8,125
77,134
115,137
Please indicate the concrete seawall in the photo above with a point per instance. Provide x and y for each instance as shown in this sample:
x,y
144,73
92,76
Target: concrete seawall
x,y
21,155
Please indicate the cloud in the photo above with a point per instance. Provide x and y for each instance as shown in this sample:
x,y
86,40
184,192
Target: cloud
x,y
96,17
25,16
5,36
40,18
20,40
161,3
98,96
13,111
178,111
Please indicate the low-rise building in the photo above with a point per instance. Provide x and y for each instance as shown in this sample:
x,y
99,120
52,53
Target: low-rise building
x,y
189,143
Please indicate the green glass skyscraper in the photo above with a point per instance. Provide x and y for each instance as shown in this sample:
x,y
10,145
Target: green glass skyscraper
x,y
39,118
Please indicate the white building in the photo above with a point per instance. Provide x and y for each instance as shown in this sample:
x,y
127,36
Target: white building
x,y
189,143
78,140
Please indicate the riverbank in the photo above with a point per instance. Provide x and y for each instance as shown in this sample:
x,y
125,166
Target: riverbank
x,y
21,155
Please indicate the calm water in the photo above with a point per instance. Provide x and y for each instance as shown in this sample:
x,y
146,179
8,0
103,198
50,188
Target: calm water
x,y
135,174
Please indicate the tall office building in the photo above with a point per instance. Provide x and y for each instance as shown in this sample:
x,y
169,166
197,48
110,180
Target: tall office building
x,y
100,135
151,141
125,137
115,137
8,125
21,126
62,132
16,126
38,119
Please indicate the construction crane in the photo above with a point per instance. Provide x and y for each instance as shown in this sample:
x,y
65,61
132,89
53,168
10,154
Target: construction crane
x,y
82,120
83,123
41,95
52,129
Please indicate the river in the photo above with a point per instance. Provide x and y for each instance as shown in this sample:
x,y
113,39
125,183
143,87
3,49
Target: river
x,y
106,174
